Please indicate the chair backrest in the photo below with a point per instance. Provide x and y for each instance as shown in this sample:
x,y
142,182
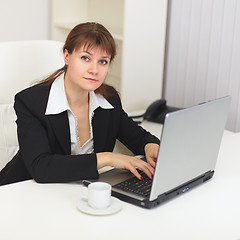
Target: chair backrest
x,y
22,64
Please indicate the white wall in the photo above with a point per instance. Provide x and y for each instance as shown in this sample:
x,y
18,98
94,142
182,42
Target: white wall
x,y
24,20
203,54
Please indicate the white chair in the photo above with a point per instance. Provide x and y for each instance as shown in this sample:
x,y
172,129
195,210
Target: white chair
x,y
22,64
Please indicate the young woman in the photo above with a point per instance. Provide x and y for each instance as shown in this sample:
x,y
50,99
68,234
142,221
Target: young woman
x,y
68,124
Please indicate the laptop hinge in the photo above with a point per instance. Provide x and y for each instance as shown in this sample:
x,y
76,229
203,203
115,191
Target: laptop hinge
x,y
180,189
202,178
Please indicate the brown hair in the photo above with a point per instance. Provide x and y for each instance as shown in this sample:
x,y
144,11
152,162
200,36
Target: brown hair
x,y
88,35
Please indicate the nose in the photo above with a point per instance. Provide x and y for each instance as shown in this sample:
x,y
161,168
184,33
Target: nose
x,y
93,68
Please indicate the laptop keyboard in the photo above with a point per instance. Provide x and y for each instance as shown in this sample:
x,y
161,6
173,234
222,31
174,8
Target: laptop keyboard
x,y
134,185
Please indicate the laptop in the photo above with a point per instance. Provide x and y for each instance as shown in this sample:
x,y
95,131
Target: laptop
x,y
187,156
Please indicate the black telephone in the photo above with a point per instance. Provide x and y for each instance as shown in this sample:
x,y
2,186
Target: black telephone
x,y
157,111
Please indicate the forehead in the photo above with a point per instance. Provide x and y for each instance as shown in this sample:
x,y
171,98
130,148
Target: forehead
x,y
93,50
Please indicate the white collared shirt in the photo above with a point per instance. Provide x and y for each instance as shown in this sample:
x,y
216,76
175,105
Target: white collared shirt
x,y
57,103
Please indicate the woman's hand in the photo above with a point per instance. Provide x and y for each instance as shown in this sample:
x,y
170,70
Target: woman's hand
x,y
151,152
122,161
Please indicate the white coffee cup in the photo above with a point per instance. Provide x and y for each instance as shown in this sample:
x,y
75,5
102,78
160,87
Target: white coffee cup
x,y
98,195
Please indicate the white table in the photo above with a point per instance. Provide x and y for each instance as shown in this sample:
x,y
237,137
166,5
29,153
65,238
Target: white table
x,y
31,211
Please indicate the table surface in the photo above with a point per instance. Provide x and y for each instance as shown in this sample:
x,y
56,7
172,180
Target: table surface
x,y
31,211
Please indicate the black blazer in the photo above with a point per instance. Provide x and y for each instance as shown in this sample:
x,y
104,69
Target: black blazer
x,y
44,140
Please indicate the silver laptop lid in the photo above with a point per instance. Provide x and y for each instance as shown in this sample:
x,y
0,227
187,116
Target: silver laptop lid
x,y
190,143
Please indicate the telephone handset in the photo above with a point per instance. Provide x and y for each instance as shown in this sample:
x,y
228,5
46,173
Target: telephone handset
x,y
157,111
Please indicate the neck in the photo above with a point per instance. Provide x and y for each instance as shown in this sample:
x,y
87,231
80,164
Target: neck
x,y
77,98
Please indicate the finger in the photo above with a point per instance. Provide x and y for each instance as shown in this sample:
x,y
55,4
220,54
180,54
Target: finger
x,y
149,172
147,169
151,161
136,173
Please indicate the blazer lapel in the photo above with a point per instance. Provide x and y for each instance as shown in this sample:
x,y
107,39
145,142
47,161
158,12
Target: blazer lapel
x,y
59,122
60,125
100,123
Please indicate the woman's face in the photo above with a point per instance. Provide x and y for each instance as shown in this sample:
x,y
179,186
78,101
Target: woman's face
x,y
86,68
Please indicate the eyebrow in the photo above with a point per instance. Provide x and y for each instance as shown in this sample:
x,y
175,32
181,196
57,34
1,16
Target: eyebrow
x,y
92,54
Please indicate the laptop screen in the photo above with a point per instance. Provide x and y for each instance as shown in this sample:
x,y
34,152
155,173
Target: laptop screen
x,y
190,144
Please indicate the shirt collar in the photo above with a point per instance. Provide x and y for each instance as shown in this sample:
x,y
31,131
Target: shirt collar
x,y
57,100
97,100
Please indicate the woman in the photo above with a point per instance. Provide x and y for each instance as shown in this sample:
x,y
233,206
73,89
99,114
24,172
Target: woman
x,y
68,124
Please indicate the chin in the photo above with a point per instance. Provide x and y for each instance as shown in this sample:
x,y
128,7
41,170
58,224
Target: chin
x,y
93,87
90,89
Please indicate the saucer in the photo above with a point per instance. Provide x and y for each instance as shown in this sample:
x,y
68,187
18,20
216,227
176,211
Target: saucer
x,y
113,208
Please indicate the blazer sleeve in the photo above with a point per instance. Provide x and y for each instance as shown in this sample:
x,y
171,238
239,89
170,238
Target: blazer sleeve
x,y
133,136
44,165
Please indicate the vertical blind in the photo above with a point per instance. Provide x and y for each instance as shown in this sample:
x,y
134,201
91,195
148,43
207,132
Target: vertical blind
x,y
203,54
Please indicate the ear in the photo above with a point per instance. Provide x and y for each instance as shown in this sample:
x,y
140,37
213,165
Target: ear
x,y
66,56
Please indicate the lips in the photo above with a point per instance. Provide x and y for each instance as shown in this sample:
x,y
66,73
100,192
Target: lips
x,y
91,79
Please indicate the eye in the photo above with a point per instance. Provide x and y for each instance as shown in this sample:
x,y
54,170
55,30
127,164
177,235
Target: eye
x,y
85,58
103,62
